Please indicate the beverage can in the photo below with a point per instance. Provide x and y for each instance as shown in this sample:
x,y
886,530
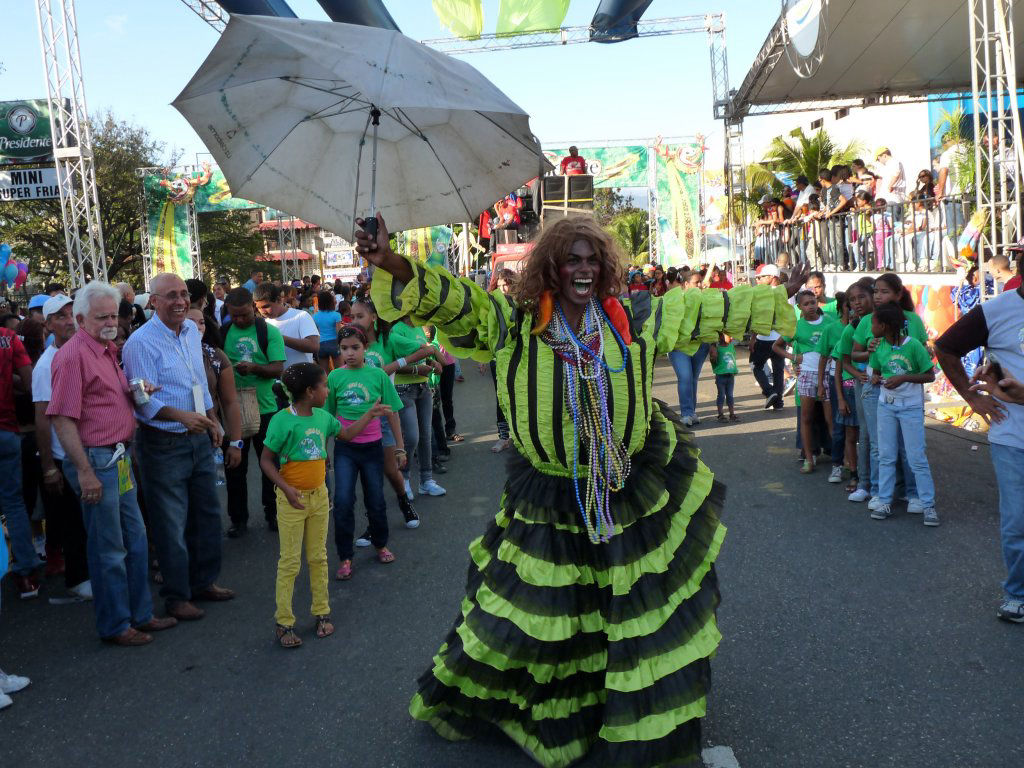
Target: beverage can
x,y
138,388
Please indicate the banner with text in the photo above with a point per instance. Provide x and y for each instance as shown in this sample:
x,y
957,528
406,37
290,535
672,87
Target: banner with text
x,y
25,135
610,166
29,184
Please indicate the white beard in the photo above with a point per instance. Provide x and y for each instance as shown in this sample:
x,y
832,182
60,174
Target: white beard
x,y
108,334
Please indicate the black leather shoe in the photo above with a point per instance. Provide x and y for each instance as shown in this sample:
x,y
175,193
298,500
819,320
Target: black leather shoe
x,y
237,530
272,525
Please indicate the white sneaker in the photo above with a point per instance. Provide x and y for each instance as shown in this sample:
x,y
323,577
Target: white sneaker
x,y
12,683
39,545
836,476
408,491
5,701
687,421
875,504
431,488
915,507
82,591
861,494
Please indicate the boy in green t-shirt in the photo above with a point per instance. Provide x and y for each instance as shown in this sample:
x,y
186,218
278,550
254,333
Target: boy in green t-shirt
x,y
723,364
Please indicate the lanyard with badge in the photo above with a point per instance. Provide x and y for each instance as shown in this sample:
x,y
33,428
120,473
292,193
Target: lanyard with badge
x,y
197,389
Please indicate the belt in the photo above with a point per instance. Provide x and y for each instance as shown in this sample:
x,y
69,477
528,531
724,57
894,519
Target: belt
x,y
898,400
111,446
162,432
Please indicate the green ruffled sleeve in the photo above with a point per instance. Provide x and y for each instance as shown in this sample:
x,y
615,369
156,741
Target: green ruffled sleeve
x,y
682,320
470,321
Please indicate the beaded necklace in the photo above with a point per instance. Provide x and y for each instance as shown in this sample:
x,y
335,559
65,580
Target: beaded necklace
x,y
587,392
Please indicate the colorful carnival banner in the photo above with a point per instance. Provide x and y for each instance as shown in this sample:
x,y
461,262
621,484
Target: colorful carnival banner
x,y
610,166
677,183
429,244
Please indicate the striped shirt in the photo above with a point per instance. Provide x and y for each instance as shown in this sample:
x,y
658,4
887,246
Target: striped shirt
x,y
90,387
174,362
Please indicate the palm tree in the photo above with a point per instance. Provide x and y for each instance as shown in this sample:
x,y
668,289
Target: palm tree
x,y
630,231
954,129
801,156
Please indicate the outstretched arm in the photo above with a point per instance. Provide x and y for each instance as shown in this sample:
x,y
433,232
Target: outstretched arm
x,y
377,251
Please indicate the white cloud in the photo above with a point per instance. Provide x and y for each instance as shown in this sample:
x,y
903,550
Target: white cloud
x,y
116,23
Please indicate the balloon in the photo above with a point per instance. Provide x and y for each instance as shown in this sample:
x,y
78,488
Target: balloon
x,y
20,280
5,250
11,272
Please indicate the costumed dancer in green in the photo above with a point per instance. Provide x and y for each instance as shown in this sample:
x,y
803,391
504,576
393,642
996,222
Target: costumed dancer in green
x,y
589,616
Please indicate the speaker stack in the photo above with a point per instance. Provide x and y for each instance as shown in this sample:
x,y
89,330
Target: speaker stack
x,y
564,196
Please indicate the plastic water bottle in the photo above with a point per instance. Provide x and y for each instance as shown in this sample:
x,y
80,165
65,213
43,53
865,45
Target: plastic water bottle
x,y
218,461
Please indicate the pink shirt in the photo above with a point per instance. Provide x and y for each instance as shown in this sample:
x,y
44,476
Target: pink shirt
x,y
371,432
90,387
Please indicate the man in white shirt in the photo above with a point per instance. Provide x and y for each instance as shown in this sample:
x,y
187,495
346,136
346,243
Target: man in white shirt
x,y
761,351
301,336
893,183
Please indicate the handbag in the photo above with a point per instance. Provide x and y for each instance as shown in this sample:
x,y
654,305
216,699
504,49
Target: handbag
x,y
249,408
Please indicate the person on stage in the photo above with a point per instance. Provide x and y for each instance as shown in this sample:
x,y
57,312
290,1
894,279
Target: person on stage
x,y
588,623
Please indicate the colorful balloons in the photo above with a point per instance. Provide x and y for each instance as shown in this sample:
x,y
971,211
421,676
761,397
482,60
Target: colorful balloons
x,y
13,273
22,275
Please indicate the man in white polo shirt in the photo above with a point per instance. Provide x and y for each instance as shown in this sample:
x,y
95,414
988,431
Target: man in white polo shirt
x,y
301,336
761,351
997,325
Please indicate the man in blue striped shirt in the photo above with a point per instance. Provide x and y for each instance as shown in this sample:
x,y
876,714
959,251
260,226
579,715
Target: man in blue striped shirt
x,y
178,429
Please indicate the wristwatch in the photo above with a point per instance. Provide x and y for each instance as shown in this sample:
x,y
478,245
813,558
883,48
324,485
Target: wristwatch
x,y
236,444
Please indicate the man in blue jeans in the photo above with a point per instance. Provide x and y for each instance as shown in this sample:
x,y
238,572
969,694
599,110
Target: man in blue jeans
x,y
998,325
14,361
177,432
91,409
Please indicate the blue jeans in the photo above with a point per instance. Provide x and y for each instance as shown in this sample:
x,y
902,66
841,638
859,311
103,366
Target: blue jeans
x,y
687,368
365,460
1008,463
902,423
725,384
184,511
415,417
905,485
867,448
13,505
838,430
116,548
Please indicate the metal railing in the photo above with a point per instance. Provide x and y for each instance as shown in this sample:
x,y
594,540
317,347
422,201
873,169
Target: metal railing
x,y
919,236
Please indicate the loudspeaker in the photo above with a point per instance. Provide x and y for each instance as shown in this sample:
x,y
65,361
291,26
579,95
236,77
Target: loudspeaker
x,y
568,191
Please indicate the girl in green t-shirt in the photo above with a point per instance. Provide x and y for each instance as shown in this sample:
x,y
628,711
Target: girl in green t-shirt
x,y
723,365
297,440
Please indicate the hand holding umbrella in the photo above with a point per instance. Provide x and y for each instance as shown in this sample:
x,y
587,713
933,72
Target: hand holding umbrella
x,y
372,244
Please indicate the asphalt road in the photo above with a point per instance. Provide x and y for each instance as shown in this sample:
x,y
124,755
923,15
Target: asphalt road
x,y
848,642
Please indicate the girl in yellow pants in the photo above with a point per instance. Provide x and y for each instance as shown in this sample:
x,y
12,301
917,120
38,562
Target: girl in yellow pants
x,y
297,437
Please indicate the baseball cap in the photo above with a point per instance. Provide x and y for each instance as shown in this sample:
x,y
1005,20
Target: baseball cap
x,y
882,151
767,270
764,199
55,304
37,301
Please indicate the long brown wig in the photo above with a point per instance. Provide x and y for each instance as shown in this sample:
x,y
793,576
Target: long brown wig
x,y
551,250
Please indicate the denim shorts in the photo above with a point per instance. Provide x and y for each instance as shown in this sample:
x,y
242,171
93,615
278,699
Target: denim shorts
x,y
848,393
327,349
387,437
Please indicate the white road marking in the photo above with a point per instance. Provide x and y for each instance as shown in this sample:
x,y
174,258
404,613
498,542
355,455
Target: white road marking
x,y
719,757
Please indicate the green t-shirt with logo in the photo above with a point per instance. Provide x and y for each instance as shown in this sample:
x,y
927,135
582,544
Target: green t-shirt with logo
x,y
808,335
844,347
726,363
300,438
914,328
907,358
402,334
351,391
242,344
829,338
379,353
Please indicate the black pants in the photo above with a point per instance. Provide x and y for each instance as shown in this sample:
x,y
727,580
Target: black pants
x,y
438,435
237,485
446,389
760,353
500,420
31,471
65,531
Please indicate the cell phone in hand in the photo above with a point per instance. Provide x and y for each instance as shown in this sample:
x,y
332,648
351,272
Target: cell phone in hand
x,y
997,370
370,226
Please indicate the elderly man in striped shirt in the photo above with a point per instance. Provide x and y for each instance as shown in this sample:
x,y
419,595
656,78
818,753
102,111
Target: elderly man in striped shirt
x,y
178,431
91,409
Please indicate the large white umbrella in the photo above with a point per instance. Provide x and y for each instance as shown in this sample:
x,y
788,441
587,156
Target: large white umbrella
x,y
287,108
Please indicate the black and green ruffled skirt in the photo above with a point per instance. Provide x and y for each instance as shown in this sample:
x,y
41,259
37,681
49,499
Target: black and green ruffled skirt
x,y
573,648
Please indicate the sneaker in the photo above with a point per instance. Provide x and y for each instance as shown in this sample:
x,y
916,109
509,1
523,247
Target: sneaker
x,y
431,488
771,400
28,587
861,494
5,701
82,591
808,467
1011,610
931,517
836,476
412,520
882,512
408,491
687,421
12,683
39,545
438,467
915,507
875,503
790,386
364,540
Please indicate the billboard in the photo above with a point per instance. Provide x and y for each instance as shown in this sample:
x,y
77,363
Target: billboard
x,y
677,175
29,184
610,166
25,135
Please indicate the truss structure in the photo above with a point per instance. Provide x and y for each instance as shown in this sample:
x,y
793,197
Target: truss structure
x,y
288,247
210,12
998,166
72,141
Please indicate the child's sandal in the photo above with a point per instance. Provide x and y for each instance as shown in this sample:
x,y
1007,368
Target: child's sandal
x,y
344,572
287,638
733,417
324,626
385,555
721,417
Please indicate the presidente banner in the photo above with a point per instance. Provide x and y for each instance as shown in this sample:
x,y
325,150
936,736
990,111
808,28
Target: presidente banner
x,y
25,135
610,166
677,170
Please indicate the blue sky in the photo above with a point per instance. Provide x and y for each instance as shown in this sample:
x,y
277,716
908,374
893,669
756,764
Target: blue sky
x,y
138,54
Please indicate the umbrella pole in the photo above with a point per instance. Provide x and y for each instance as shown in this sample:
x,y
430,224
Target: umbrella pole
x,y
375,116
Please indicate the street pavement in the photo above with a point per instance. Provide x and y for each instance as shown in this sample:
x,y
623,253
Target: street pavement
x,y
848,642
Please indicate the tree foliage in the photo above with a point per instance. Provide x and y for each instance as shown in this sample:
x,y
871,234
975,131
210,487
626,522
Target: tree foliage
x,y
609,203
630,230
799,155
229,243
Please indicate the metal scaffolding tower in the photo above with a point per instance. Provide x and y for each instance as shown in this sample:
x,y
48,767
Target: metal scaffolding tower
x,y
997,170
210,12
287,245
72,141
